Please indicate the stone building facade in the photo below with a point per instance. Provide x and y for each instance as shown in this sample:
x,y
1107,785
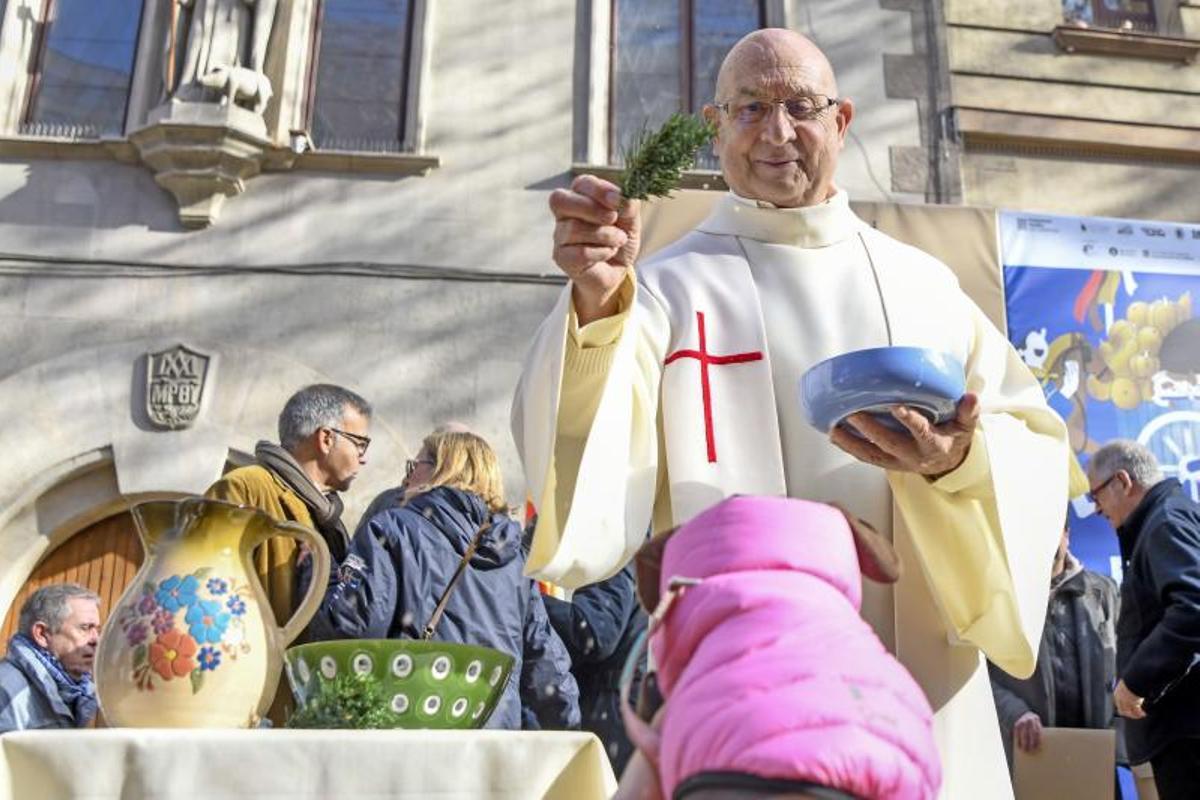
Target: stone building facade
x,y
1075,106
183,245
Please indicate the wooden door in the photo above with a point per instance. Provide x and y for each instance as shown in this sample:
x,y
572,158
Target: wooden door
x,y
102,557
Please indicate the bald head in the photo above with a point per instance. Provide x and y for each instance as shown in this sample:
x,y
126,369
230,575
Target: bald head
x,y
777,57
768,153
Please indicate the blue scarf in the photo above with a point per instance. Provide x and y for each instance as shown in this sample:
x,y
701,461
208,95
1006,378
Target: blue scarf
x,y
79,696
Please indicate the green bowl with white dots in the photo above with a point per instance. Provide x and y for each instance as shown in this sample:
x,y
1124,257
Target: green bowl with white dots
x,y
424,684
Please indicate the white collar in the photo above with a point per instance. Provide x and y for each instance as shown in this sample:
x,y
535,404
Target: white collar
x,y
821,225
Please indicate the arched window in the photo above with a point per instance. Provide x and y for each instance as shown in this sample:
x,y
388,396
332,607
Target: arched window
x,y
665,57
82,68
360,79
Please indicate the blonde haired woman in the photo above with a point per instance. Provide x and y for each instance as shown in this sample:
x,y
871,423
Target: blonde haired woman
x,y
403,557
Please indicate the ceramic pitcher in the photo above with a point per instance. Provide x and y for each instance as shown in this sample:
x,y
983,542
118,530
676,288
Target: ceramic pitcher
x,y
193,642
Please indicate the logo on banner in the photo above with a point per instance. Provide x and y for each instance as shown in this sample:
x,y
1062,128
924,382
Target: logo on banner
x,y
174,386
1041,224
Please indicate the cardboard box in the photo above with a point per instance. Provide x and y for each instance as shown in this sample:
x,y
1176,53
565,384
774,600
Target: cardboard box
x,y
1071,764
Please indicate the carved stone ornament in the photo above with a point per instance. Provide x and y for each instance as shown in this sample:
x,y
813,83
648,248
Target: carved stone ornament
x,y
208,136
202,153
175,386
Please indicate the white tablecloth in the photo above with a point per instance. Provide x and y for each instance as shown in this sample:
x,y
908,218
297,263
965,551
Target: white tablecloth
x,y
154,764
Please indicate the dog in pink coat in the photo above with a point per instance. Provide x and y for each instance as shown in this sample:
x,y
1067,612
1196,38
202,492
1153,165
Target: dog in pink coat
x,y
772,682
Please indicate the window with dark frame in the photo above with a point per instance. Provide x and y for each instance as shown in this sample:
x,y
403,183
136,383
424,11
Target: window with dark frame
x,y
82,68
359,79
1136,15
665,57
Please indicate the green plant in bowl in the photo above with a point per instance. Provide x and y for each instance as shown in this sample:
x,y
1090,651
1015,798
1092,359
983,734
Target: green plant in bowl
x,y
418,684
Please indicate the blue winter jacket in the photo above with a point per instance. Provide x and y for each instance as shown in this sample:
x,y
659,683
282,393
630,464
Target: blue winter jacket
x,y
401,560
599,627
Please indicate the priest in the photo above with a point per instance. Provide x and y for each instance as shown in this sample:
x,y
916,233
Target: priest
x,y
650,394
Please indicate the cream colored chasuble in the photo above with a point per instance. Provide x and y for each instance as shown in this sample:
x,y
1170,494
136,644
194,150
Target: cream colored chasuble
x,y
693,395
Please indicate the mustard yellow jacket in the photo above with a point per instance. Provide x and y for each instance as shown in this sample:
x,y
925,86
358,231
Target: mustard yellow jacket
x,y
275,561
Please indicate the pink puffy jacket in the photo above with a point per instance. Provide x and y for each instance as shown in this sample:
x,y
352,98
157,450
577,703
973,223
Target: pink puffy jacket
x,y
767,667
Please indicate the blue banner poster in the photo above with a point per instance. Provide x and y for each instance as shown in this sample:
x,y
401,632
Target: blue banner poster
x,y
1102,312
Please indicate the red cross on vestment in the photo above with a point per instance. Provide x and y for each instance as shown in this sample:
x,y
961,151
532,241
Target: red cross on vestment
x,y
705,358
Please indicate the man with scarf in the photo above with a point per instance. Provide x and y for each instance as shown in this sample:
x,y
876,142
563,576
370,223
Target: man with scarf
x,y
45,679
322,445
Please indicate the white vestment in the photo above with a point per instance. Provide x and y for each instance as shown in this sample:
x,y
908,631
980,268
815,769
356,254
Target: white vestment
x,y
775,291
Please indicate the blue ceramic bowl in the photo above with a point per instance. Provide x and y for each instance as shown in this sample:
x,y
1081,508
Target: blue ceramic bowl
x,y
874,380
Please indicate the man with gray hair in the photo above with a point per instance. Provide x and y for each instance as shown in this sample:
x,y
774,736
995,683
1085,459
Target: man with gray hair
x,y
322,445
45,679
1158,629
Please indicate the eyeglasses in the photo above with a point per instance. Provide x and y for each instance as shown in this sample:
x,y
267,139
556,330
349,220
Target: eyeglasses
x,y
361,443
800,109
410,466
1091,495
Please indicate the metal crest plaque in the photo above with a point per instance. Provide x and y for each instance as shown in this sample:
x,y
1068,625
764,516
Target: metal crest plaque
x,y
174,386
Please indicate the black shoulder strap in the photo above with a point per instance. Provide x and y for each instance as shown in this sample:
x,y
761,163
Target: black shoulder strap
x,y
436,617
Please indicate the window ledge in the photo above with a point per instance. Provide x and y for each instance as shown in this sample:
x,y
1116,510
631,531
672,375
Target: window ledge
x,y
1133,44
68,148
1045,135
371,163
276,159
709,179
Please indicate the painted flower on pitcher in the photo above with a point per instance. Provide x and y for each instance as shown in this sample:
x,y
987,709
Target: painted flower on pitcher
x,y
171,654
147,605
136,633
177,591
206,621
162,621
210,658
211,633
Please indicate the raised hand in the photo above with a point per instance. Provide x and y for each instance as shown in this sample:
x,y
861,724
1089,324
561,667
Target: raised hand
x,y
596,239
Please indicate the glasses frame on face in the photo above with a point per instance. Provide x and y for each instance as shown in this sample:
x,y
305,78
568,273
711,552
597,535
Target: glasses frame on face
x,y
410,466
361,443
743,113
1092,493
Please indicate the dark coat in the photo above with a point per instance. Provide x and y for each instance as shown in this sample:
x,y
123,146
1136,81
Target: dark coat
x,y
1092,599
401,560
1158,632
599,627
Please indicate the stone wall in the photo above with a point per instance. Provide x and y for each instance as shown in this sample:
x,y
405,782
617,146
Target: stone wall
x,y
419,291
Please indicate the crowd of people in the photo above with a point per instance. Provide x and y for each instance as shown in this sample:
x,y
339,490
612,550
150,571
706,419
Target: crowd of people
x,y
768,678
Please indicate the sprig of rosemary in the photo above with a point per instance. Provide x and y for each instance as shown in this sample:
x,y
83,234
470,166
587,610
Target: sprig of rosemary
x,y
655,163
348,701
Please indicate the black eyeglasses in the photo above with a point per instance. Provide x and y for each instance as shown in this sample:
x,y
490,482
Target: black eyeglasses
x,y
800,109
411,465
1091,495
361,443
